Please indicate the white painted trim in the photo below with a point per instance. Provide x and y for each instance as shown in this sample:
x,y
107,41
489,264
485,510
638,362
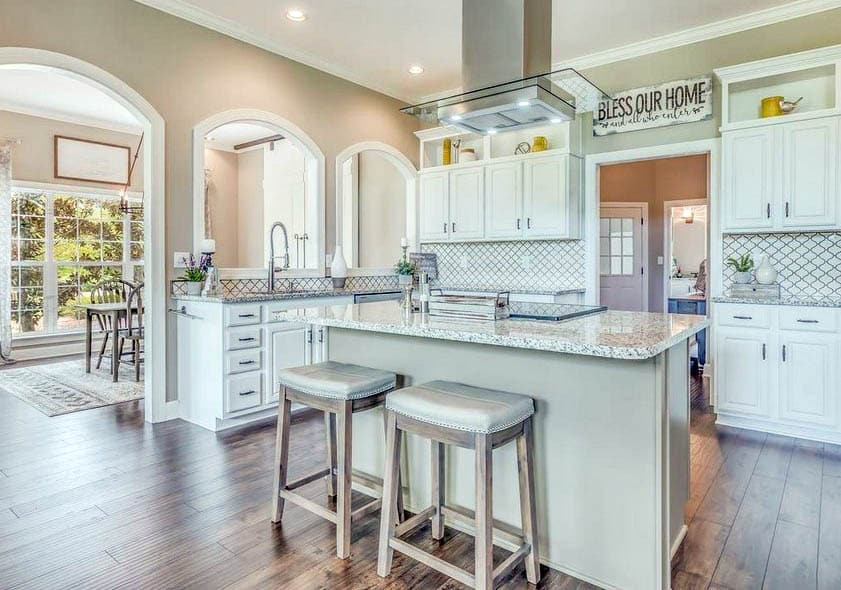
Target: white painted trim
x,y
771,66
410,175
644,238
774,427
592,163
74,188
54,115
667,237
313,156
681,535
705,32
207,19
153,213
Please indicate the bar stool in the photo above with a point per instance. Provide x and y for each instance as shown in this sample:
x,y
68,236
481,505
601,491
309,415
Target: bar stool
x,y
468,417
339,390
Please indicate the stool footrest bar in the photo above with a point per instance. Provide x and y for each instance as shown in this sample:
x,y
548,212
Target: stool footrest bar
x,y
414,522
511,561
368,508
307,479
308,504
435,563
503,533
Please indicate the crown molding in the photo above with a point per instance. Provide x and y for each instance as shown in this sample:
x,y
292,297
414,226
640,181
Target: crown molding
x,y
714,30
43,113
208,20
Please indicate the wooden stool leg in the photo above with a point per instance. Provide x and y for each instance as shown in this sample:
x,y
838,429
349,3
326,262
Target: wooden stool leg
x,y
389,504
330,430
284,411
528,511
484,512
343,442
102,347
438,486
400,511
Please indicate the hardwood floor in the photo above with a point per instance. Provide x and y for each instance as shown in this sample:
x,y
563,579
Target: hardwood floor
x,y
99,499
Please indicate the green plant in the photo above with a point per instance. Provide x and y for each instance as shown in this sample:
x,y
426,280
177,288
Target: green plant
x,y
404,267
742,264
195,271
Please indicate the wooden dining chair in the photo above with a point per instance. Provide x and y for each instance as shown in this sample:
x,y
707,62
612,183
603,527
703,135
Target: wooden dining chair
x,y
134,328
112,291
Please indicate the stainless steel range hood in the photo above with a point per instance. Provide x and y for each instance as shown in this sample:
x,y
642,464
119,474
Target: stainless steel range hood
x,y
506,58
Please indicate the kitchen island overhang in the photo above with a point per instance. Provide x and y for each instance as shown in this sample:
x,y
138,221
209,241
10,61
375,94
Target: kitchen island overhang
x,y
611,425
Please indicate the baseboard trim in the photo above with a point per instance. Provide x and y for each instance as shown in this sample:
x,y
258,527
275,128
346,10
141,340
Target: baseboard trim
x,y
760,425
681,535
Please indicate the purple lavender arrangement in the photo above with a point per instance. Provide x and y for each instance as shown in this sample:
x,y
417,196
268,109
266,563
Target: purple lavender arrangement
x,y
196,270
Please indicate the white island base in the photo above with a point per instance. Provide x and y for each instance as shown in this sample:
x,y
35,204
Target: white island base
x,y
611,442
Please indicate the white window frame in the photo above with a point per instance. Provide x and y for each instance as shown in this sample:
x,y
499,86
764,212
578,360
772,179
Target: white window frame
x,y
50,266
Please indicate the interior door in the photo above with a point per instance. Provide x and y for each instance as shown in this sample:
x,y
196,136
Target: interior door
x,y
620,258
809,168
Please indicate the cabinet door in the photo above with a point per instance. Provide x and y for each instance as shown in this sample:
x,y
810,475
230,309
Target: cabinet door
x,y
504,200
809,378
434,207
744,365
810,162
467,204
289,346
545,197
748,179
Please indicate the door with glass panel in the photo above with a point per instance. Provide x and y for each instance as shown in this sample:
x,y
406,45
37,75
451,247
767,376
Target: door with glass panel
x,y
620,258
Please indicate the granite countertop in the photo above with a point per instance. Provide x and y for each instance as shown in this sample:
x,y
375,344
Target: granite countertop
x,y
785,300
281,295
610,334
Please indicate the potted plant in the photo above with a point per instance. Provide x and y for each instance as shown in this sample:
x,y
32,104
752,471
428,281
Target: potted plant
x,y
405,272
742,265
195,273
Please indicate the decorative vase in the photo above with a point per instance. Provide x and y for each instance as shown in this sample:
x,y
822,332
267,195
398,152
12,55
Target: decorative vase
x,y
194,287
765,273
405,280
742,278
338,268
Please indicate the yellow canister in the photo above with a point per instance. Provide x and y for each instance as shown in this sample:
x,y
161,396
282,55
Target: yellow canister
x,y
771,106
447,154
539,144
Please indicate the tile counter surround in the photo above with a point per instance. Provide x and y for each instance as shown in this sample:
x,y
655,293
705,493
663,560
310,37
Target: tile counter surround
x,y
794,301
611,334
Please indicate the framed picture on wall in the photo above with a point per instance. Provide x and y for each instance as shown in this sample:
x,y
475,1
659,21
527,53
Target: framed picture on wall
x,y
91,161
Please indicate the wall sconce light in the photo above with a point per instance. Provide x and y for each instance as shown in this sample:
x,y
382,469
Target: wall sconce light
x,y
688,215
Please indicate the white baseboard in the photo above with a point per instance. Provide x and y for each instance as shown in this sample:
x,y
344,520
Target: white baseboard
x,y
681,535
772,427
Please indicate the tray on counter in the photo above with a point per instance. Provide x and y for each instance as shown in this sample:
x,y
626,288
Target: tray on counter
x,y
471,307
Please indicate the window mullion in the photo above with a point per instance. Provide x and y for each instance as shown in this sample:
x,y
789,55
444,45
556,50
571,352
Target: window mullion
x,y
50,271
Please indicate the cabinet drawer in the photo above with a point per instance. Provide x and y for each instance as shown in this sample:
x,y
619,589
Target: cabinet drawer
x,y
241,338
242,315
243,392
240,362
809,319
738,315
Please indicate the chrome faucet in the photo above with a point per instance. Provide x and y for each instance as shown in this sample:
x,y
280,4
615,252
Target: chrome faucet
x,y
272,257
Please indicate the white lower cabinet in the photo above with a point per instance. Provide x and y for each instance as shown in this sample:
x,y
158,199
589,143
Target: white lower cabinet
x,y
776,369
290,345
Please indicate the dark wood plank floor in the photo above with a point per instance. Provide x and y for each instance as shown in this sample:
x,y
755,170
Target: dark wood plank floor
x,y
99,499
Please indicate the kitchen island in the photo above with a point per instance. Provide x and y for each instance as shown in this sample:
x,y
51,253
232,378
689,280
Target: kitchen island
x,y
611,424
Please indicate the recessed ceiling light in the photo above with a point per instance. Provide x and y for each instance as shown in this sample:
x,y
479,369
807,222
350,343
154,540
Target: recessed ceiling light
x,y
491,131
296,14
555,120
523,103
415,70
455,118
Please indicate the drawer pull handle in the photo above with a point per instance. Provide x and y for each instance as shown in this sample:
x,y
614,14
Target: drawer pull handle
x,y
251,362
763,351
249,339
742,317
808,321
247,315
784,353
244,393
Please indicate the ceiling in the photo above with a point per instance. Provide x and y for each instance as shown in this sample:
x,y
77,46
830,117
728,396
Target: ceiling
x,y
373,42
228,135
50,94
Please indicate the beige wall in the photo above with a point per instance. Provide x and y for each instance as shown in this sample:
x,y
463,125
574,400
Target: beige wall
x,y
382,211
189,73
250,203
33,159
654,182
223,204
810,32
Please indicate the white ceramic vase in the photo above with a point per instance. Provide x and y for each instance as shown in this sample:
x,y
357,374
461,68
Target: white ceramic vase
x,y
338,268
765,273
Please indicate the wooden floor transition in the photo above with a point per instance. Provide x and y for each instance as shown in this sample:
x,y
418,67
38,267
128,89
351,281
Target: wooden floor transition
x,y
99,499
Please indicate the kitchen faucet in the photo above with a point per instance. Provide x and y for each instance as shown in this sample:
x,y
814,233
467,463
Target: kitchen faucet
x,y
272,269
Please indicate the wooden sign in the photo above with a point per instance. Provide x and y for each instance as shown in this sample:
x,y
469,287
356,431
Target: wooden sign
x,y
672,103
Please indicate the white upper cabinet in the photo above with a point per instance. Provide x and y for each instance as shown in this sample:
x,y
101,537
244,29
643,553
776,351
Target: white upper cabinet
x,y
748,173
545,197
810,162
434,206
467,203
504,200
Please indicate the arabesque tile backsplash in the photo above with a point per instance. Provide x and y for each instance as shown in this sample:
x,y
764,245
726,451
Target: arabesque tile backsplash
x,y
542,265
808,264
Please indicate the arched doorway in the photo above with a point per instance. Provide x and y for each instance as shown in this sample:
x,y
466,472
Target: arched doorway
x,y
155,404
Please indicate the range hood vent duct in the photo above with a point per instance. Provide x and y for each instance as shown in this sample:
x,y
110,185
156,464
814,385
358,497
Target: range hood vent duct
x,y
510,40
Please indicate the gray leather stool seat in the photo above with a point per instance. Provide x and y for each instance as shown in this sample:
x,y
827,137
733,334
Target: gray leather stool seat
x,y
337,380
463,407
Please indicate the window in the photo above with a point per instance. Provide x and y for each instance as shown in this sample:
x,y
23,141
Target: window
x,y
63,244
616,244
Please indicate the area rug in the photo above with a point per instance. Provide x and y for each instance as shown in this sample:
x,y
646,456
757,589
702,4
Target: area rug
x,y
62,388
